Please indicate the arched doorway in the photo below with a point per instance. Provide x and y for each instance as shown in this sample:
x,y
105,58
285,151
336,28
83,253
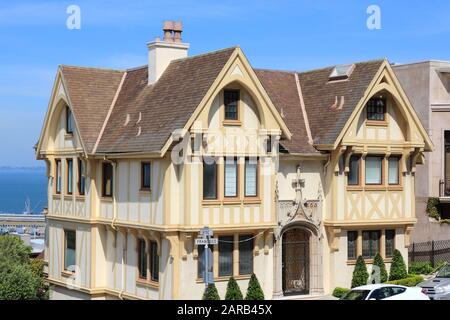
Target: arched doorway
x,y
295,261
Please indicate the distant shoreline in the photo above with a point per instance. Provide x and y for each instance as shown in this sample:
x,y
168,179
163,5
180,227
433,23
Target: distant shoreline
x,y
10,168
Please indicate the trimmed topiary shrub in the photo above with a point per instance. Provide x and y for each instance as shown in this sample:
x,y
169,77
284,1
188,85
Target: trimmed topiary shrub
x,y
378,262
211,293
339,292
407,282
233,290
254,291
360,274
420,267
398,267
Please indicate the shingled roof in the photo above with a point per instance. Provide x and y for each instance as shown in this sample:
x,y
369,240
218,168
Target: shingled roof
x,y
91,92
144,116
319,95
157,110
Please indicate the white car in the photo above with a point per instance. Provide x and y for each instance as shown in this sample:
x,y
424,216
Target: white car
x,y
385,292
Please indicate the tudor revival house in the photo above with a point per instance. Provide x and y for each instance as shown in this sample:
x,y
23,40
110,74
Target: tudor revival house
x,y
296,173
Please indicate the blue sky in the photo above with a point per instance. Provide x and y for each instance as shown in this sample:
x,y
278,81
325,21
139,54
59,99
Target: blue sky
x,y
294,35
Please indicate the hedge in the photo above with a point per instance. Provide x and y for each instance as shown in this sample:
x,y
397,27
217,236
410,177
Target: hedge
x,y
339,292
407,282
420,267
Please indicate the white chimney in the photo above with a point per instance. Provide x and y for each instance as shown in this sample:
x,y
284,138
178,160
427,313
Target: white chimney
x,y
161,53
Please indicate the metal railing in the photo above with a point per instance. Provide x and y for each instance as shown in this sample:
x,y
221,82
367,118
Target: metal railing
x,y
431,251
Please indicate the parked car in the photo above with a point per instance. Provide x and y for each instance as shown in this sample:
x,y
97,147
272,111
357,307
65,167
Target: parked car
x,y
438,288
385,292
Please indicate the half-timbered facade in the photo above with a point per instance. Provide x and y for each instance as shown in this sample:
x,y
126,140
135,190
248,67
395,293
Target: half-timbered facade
x,y
296,173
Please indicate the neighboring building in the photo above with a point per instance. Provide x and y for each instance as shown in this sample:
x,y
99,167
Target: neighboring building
x,y
427,85
312,169
33,224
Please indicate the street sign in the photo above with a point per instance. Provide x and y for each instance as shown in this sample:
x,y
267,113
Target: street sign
x,y
206,232
202,242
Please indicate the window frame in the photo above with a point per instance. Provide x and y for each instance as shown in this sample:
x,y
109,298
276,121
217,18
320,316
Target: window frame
x,y
143,186
229,243
238,102
386,255
69,176
371,253
216,172
58,173
81,183
65,267
359,171
142,258
256,196
153,263
104,194
398,170
384,110
69,119
251,238
355,233
233,197
382,168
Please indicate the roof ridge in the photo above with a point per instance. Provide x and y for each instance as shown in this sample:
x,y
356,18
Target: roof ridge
x,y
317,69
205,54
91,68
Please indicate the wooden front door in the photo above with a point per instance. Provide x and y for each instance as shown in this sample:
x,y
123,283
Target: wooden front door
x,y
295,261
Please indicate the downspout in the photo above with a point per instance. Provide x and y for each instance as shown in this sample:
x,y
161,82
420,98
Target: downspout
x,y
124,251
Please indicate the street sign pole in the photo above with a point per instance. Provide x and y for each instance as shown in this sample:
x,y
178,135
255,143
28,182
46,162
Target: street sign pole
x,y
206,239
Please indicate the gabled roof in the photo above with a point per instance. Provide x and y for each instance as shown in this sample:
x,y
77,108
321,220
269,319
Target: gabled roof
x,y
326,119
145,116
90,92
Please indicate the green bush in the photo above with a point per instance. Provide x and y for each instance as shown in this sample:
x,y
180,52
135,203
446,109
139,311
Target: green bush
x,y
211,293
360,274
379,262
433,205
398,267
233,291
21,278
339,292
407,282
420,267
254,291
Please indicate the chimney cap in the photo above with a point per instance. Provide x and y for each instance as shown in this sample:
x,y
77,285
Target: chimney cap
x,y
178,26
168,25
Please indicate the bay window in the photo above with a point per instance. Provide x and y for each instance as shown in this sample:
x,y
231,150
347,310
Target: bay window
x,y
393,174
251,177
354,171
374,170
69,176
231,178
245,255
226,245
370,244
209,180
58,176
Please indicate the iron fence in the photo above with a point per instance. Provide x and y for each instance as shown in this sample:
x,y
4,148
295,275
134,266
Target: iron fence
x,y
431,251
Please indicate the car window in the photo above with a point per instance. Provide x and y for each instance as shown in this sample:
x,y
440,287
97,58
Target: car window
x,y
356,295
380,294
396,290
444,272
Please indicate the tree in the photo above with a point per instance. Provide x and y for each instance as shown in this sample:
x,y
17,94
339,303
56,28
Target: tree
x,y
254,291
211,293
379,263
398,267
233,291
20,277
360,274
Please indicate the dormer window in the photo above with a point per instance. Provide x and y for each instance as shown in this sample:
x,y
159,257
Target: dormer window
x,y
376,109
231,103
69,121
341,72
